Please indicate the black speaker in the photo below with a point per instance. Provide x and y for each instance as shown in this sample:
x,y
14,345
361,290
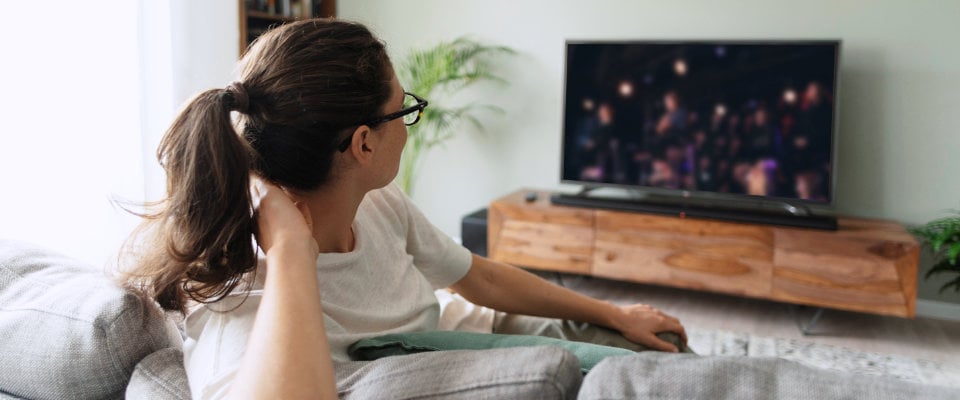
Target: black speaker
x,y
683,210
473,230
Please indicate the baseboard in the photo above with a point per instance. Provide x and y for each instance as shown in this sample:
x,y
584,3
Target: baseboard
x,y
938,310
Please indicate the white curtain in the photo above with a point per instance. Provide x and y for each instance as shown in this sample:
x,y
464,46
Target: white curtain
x,y
69,120
86,91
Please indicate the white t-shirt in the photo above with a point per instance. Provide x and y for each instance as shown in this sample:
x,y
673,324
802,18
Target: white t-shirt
x,y
385,285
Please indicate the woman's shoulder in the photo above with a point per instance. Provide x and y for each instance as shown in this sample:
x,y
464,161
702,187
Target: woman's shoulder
x,y
216,335
385,205
231,316
241,303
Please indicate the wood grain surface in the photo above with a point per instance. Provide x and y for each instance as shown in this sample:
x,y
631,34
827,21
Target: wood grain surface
x,y
866,265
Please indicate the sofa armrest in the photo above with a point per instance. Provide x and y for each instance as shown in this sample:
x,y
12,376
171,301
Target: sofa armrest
x,y
68,331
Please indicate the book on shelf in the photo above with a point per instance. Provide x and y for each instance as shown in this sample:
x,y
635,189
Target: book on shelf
x,y
287,8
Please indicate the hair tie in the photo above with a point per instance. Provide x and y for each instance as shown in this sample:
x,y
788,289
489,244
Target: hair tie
x,y
240,101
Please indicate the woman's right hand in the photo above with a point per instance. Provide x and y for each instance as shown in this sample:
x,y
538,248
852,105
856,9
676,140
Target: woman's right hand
x,y
281,222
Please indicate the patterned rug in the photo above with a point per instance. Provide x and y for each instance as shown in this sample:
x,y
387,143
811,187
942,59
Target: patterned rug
x,y
718,342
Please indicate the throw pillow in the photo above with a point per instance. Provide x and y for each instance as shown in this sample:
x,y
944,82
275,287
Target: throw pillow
x,y
416,342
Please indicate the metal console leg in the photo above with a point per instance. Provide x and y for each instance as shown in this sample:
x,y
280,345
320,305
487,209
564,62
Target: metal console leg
x,y
808,327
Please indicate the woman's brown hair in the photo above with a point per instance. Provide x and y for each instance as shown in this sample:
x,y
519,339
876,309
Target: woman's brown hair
x,y
302,87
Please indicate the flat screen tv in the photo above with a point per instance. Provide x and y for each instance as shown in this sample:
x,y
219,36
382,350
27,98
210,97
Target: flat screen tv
x,y
714,119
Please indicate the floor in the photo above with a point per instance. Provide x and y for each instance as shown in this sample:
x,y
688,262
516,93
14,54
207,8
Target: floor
x,y
923,338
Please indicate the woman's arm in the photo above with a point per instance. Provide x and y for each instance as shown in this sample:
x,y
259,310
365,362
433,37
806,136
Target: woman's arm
x,y
287,355
510,289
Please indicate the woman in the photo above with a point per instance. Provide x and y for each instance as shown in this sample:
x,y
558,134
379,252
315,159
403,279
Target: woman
x,y
323,121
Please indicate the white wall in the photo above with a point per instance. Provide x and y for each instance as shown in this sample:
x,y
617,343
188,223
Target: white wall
x,y
898,153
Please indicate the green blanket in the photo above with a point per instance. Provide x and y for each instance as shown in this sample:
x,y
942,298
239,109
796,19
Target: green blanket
x,y
417,342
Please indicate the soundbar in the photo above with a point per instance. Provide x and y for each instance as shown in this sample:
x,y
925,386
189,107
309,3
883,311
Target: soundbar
x,y
684,210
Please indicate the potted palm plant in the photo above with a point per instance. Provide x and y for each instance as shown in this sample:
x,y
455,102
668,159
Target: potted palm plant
x,y
433,73
943,237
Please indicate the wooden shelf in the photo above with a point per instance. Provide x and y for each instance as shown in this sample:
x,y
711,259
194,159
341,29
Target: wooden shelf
x,y
252,14
866,265
253,23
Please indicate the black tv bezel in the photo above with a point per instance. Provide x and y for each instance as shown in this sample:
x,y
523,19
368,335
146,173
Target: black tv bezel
x,y
710,198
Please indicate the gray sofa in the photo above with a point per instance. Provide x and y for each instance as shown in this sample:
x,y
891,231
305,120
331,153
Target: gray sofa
x,y
67,332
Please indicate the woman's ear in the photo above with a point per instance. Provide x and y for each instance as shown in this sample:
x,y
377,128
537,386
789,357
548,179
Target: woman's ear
x,y
361,147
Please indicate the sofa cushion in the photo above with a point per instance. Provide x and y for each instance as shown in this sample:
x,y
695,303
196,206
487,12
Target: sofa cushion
x,y
664,376
542,372
68,331
160,376
4,396
373,348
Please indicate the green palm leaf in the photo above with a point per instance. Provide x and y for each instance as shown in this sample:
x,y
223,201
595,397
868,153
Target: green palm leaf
x,y
943,237
953,251
436,72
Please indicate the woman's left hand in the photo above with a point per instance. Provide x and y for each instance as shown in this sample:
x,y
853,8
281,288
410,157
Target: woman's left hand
x,y
641,323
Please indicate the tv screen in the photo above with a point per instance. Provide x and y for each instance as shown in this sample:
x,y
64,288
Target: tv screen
x,y
728,118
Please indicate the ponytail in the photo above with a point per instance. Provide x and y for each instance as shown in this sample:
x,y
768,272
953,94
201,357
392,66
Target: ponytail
x,y
199,239
305,86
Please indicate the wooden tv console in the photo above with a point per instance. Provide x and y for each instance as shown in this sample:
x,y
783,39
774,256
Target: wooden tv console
x,y
866,265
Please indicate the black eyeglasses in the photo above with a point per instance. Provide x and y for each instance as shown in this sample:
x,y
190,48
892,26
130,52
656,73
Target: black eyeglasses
x,y
413,106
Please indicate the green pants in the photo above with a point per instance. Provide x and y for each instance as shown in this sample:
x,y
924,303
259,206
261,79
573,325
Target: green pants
x,y
515,324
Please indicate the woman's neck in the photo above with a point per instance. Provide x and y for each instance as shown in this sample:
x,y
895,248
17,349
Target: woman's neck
x,y
333,212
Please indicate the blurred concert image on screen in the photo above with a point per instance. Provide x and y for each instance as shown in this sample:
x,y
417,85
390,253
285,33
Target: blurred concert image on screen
x,y
749,118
